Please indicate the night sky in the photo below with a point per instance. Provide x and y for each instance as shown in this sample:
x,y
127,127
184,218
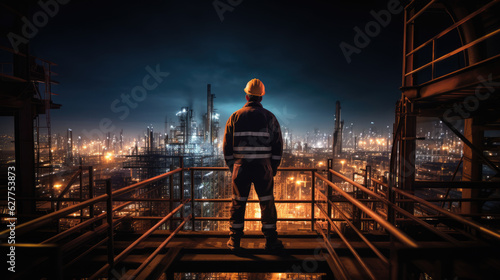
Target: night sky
x,y
102,51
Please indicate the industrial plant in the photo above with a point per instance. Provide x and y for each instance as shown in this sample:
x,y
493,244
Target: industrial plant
x,y
414,199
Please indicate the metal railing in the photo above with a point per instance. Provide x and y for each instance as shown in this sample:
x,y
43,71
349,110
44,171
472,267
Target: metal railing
x,y
379,192
334,209
457,218
376,193
111,223
410,52
310,201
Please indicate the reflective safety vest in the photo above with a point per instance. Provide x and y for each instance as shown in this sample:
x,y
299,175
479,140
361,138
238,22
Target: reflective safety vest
x,y
253,133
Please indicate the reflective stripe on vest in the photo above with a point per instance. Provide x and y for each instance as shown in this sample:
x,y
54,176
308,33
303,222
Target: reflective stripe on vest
x,y
251,149
252,156
252,133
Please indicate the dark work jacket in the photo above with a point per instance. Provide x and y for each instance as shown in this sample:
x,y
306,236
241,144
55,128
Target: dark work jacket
x,y
253,134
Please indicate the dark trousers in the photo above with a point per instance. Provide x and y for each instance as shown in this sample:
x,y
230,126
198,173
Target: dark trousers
x,y
261,175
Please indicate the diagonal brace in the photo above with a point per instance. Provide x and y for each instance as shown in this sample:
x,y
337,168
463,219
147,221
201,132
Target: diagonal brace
x,y
476,150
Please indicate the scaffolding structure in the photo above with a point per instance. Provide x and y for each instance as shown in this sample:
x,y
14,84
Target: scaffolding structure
x,y
26,94
451,56
373,228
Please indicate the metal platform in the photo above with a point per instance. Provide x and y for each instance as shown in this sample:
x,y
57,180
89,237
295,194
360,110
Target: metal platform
x,y
203,252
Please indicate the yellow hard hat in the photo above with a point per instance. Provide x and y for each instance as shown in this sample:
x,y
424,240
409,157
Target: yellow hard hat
x,y
255,87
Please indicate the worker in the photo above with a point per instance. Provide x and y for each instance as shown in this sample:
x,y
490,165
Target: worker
x,y
253,147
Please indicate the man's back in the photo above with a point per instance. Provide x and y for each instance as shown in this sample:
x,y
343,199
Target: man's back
x,y
254,133
252,117
252,149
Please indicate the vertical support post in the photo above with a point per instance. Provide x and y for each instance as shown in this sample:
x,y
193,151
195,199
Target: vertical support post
x,y
181,184
313,197
171,195
374,208
109,218
368,186
390,196
329,193
472,165
192,199
81,191
408,46
356,213
355,210
91,193
369,177
408,152
403,77
25,157
365,179
361,195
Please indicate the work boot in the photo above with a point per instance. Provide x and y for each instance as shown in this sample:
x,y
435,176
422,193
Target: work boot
x,y
234,243
274,244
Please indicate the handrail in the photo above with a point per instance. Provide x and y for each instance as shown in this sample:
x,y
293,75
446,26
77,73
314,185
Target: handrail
x,y
450,215
23,228
109,199
360,234
127,250
420,12
409,51
394,206
388,226
30,225
346,242
456,217
464,47
252,200
162,245
208,168
341,272
88,222
412,217
358,185
146,182
227,169
453,26
83,224
311,201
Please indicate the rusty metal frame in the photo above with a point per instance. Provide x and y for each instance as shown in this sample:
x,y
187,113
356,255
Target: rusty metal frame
x,y
159,248
338,268
348,244
358,232
408,53
402,237
109,266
